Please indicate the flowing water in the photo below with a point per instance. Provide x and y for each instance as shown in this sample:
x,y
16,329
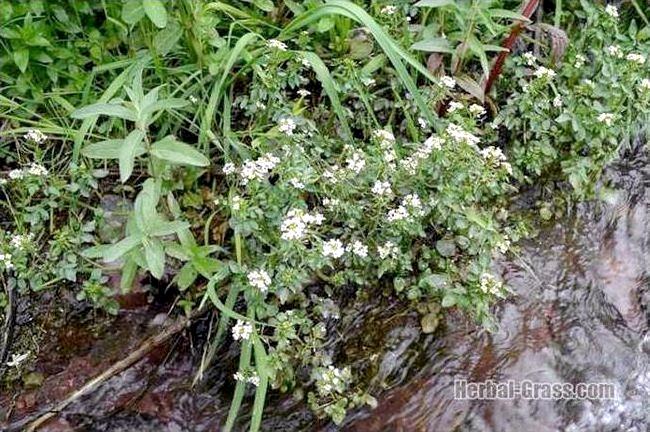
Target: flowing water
x,y
580,313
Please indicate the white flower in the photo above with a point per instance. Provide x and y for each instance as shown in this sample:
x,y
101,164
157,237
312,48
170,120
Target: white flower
x,y
331,174
557,102
236,202
242,330
430,144
460,135
490,285
296,222
286,125
614,51
35,135
644,86
276,44
529,58
259,168
254,379
455,106
296,183
20,241
260,105
358,249
259,279
368,81
381,188
229,168
17,359
476,110
423,123
580,61
356,162
333,248
388,250
504,245
493,153
413,203
16,174
397,214
384,137
606,118
304,93
238,376
612,11
37,170
448,82
5,259
388,10
635,58
544,72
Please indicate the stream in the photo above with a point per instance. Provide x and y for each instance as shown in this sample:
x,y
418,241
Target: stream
x,y
580,312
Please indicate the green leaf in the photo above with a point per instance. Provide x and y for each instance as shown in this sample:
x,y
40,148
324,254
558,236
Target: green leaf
x,y
165,104
132,11
448,300
21,58
167,38
108,109
470,86
435,3
145,204
261,365
154,253
109,149
163,228
508,14
128,152
265,5
186,276
439,45
123,246
129,270
178,152
156,12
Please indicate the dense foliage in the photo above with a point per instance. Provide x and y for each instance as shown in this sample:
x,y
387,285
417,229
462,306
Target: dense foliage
x,y
269,156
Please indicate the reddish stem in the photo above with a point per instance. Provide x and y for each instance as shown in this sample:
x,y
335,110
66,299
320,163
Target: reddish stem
x,y
529,8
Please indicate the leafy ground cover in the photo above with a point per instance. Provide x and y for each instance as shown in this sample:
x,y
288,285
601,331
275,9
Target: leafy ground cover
x,y
272,158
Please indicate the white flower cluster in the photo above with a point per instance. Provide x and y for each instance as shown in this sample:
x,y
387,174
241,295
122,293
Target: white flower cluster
x,y
229,168
242,330
448,82
544,72
612,11
529,58
606,118
276,44
21,241
494,156
331,174
357,248
296,183
490,285
250,377
356,163
503,246
388,10
295,223
384,137
304,92
644,86
558,102
455,106
381,188
258,169
333,248
460,135
34,169
287,125
259,279
476,110
423,123
635,58
5,259
333,380
580,61
35,136
387,250
411,206
411,163
614,51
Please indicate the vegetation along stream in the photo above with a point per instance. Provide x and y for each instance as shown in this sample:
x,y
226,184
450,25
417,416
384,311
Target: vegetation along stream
x,y
324,215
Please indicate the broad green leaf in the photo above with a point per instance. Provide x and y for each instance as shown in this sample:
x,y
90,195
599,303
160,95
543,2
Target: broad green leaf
x,y
470,86
108,109
123,246
144,207
129,270
265,5
477,48
262,368
439,45
165,104
207,266
132,11
167,38
177,152
21,58
177,251
163,228
154,253
128,152
186,276
434,3
156,12
109,149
